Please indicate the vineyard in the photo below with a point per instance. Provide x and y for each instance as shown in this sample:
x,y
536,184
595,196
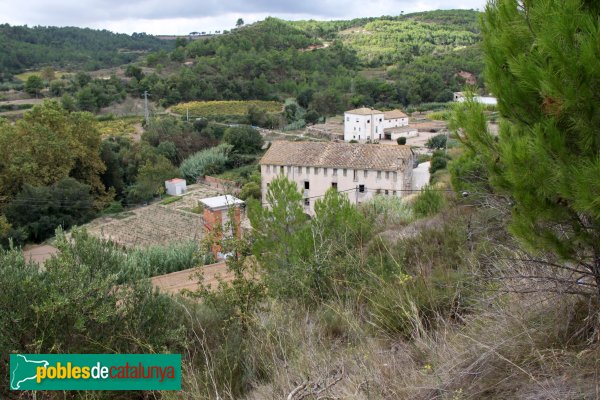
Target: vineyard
x,y
148,226
214,109
118,127
156,224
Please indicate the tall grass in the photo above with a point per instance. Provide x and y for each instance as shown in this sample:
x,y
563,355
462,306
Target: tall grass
x,y
209,161
158,260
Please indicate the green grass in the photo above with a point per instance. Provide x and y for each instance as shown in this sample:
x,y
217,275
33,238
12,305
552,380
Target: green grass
x,y
170,199
25,75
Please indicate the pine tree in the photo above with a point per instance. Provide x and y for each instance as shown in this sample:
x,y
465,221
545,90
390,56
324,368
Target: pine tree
x,y
543,64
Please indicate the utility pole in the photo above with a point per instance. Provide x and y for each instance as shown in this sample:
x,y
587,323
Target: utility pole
x,y
146,112
187,114
356,195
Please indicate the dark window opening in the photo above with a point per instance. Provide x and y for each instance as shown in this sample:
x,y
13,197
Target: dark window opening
x,y
306,185
361,188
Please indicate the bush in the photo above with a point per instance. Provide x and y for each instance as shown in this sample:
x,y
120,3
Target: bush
x,y
401,140
437,142
205,162
437,163
429,202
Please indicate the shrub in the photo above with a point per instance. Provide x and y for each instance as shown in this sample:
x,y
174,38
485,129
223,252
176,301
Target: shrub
x,y
205,162
401,140
437,142
429,202
437,163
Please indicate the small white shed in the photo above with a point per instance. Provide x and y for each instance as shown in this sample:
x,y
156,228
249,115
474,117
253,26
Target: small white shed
x,y
176,187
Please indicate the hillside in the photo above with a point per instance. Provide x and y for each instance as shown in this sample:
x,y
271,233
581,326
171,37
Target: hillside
x,y
418,59
388,40
23,48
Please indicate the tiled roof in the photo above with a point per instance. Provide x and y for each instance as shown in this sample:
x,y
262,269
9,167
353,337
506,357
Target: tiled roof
x,y
338,155
394,114
364,111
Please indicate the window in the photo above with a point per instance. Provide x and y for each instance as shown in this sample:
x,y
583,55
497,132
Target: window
x,y
368,121
299,169
357,120
395,175
306,185
387,192
289,170
394,192
345,172
348,119
378,191
366,173
306,202
355,175
324,171
335,172
361,188
378,174
379,119
316,170
387,174
281,170
268,169
334,185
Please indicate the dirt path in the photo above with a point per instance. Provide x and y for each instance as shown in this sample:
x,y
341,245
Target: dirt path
x,y
188,279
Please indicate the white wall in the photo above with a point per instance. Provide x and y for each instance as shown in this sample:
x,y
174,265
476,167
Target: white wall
x,y
363,127
319,183
369,127
395,122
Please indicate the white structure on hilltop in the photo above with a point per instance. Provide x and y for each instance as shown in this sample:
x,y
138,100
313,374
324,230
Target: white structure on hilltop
x,y
488,101
176,187
359,170
365,124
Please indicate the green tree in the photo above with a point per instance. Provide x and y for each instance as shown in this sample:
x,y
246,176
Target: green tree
x,y
34,85
280,232
543,65
49,144
151,180
40,210
244,139
239,23
312,117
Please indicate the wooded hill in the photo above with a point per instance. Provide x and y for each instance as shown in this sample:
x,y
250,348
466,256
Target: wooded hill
x,y
25,47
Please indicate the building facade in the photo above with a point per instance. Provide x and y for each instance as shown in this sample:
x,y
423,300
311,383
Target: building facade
x,y
362,171
365,124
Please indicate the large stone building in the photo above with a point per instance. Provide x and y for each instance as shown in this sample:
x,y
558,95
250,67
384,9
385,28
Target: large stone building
x,y
360,170
365,124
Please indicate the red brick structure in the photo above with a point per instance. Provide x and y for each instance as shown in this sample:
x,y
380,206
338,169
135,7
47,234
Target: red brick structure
x,y
217,224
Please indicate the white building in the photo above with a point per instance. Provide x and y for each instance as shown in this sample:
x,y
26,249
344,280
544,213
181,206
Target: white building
x,y
365,124
360,170
488,101
176,187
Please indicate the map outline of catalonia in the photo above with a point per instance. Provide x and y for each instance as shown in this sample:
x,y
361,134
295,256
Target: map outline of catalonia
x,y
14,372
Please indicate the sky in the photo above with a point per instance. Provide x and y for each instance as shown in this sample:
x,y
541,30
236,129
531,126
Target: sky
x,y
183,16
